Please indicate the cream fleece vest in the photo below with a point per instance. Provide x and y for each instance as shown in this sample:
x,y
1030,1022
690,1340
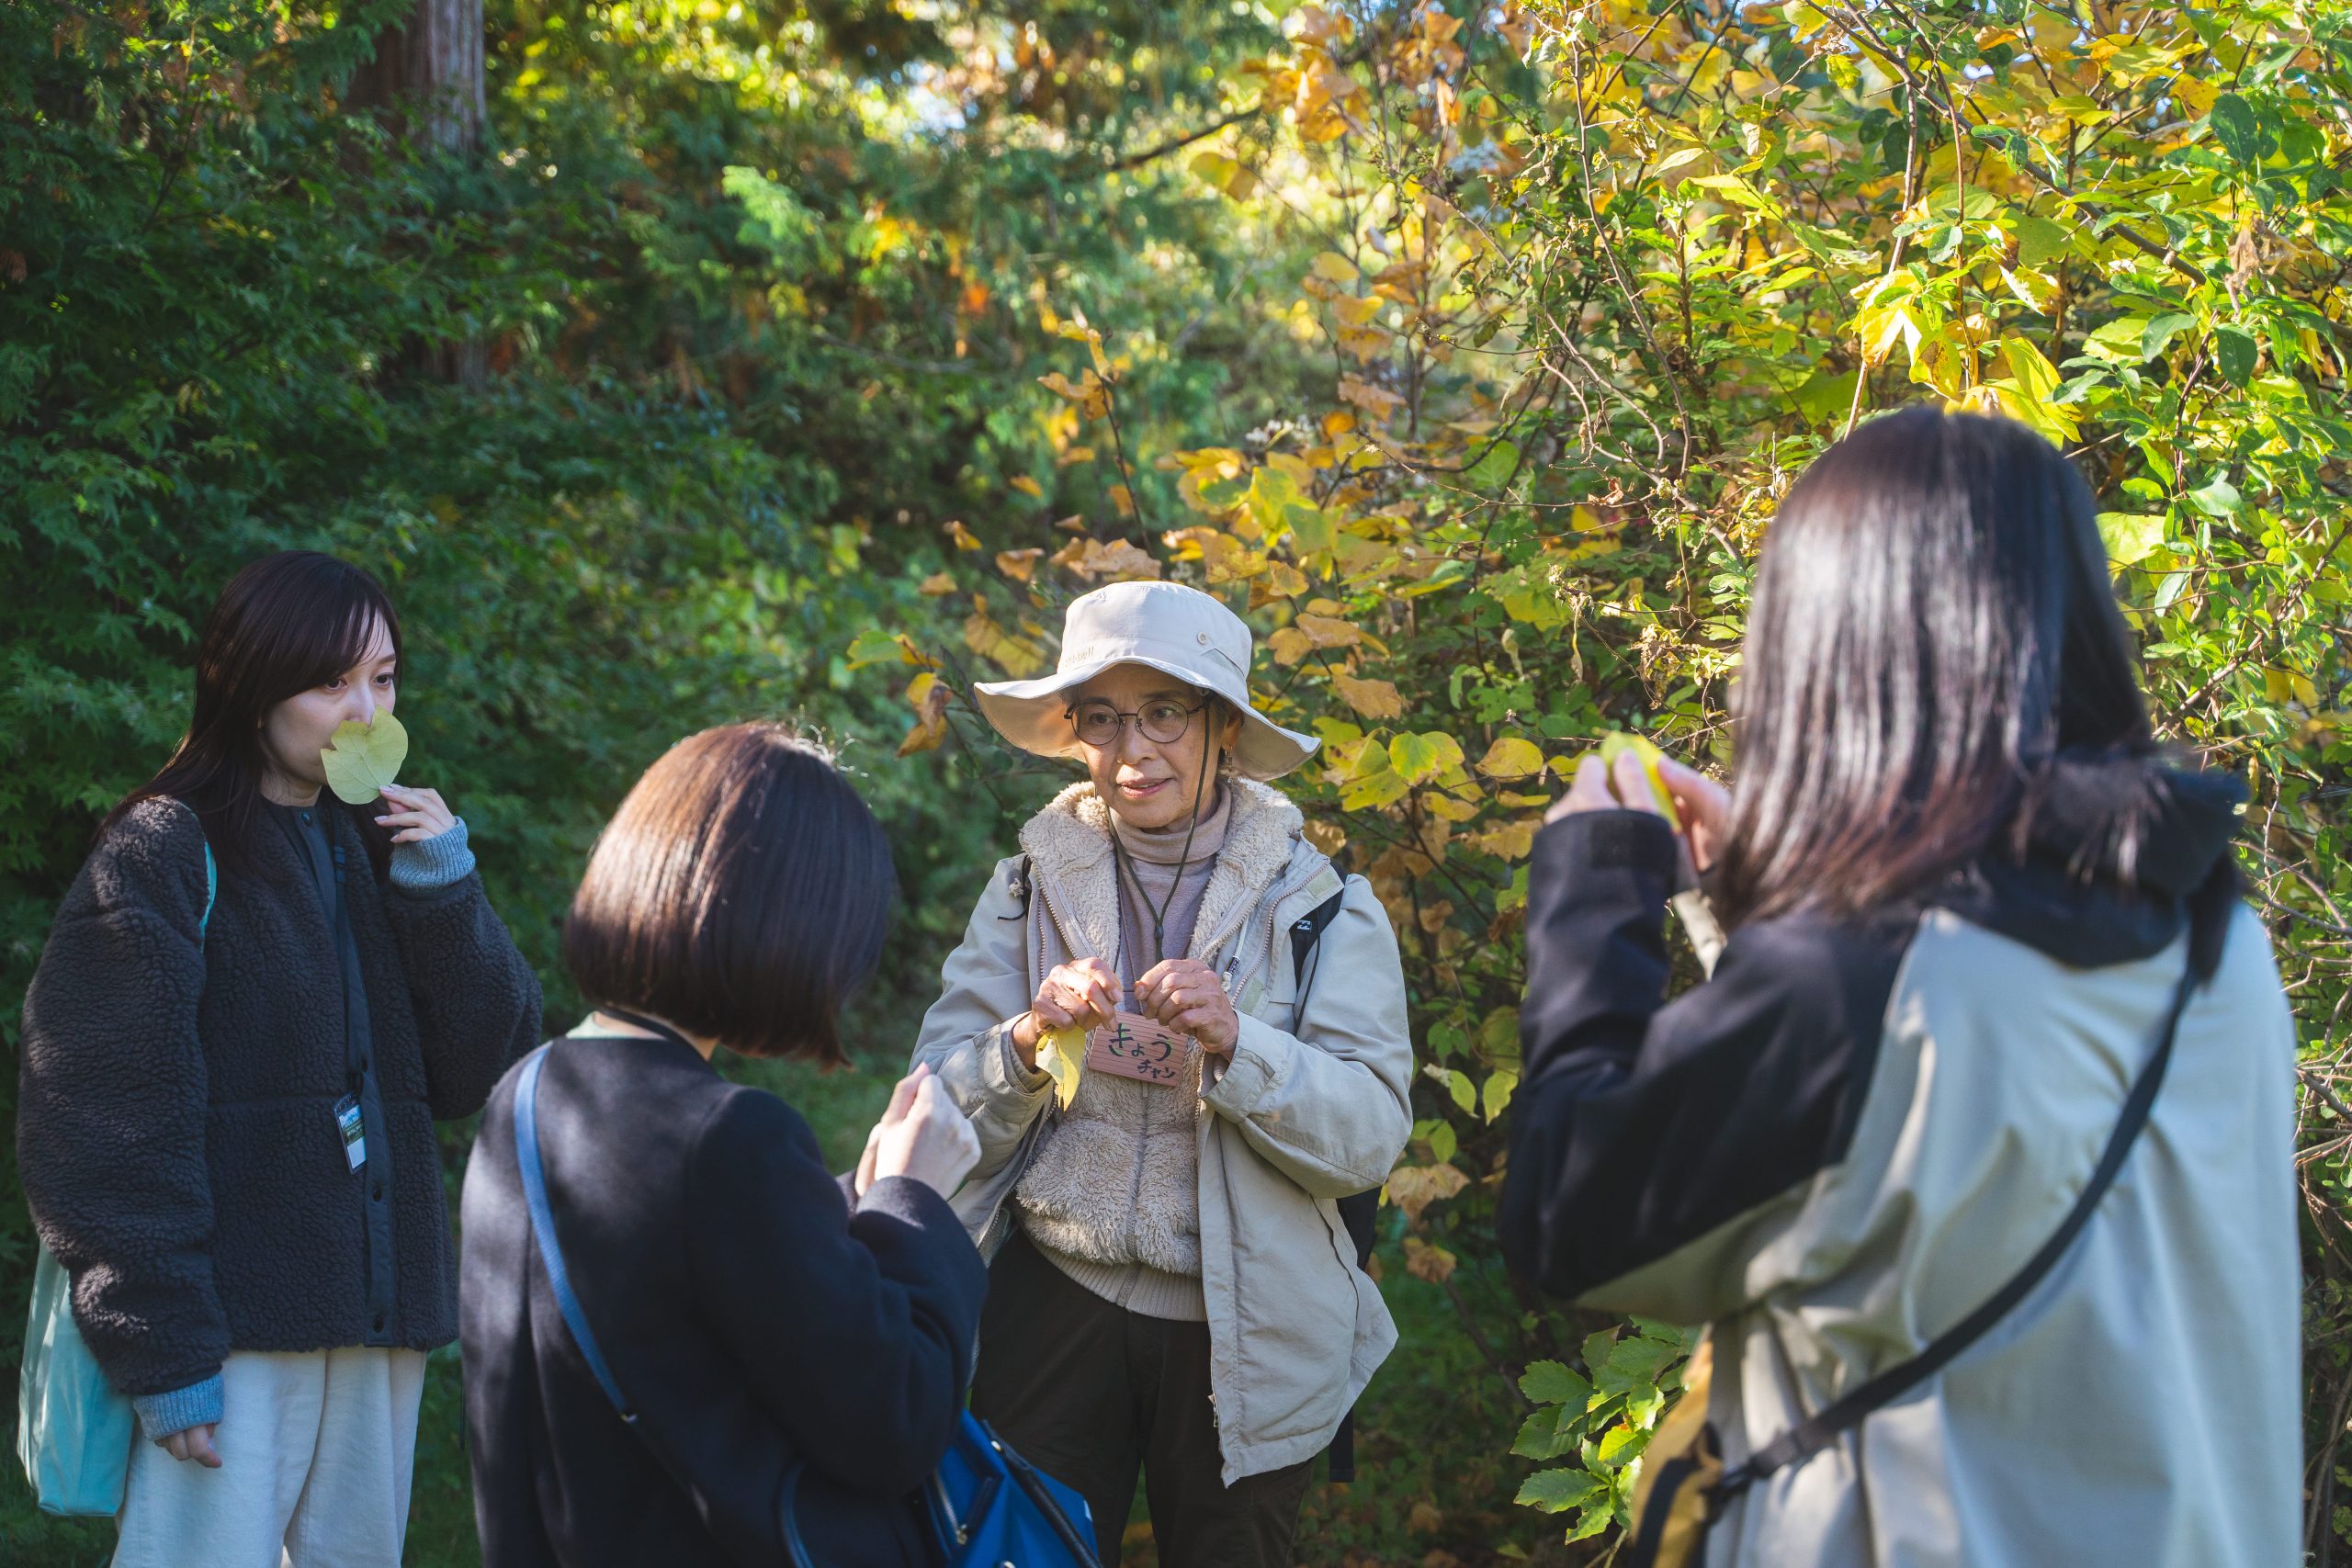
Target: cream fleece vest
x,y
1112,1196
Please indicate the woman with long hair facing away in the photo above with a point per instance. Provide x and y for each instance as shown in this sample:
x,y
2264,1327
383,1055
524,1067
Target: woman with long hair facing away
x,y
225,1121
1173,1288
788,1347
1975,1152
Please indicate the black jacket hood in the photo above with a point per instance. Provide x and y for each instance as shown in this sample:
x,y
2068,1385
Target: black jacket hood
x,y
2109,852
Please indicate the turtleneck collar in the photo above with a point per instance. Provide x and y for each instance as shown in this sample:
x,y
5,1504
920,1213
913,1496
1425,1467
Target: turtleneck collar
x,y
1165,846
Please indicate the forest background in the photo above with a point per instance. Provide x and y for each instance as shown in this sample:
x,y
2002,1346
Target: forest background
x,y
678,360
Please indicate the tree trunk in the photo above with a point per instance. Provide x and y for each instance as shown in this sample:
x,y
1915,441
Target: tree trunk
x,y
427,76
427,83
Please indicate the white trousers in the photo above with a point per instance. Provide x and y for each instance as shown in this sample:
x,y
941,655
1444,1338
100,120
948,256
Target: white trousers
x,y
317,1450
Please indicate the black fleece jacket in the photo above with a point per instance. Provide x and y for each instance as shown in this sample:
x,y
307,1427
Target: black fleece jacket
x,y
175,1126
759,1325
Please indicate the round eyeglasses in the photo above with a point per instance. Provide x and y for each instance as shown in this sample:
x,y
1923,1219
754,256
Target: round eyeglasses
x,y
1163,719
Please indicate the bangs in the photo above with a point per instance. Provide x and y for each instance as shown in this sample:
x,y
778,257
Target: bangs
x,y
353,608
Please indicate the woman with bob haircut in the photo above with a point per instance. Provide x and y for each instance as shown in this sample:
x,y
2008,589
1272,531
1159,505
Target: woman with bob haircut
x,y
1173,1289
769,1326
255,1002
1970,900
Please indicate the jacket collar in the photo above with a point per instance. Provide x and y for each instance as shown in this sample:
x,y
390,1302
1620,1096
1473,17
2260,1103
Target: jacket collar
x,y
2109,853
1069,845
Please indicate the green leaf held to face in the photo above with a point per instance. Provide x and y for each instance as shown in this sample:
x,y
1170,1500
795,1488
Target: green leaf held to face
x,y
361,759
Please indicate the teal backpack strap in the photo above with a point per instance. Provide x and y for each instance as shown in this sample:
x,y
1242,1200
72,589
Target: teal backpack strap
x,y
211,891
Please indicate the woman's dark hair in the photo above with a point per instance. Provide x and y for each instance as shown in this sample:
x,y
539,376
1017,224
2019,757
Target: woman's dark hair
x,y
1932,624
741,893
285,624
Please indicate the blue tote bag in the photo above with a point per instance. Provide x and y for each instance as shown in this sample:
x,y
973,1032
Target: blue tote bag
x,y
73,1431
991,1508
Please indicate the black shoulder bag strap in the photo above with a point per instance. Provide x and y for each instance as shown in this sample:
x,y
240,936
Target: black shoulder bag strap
x,y
1811,1435
1358,1210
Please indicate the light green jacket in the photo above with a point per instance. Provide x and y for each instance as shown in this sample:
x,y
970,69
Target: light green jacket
x,y
1308,1110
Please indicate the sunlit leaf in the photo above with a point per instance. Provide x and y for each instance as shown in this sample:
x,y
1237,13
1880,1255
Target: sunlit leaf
x,y
361,759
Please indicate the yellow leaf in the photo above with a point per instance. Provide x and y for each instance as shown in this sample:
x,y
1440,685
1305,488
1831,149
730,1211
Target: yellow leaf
x,y
1061,1052
1124,498
1333,267
927,694
964,539
1507,840
1376,402
361,759
1446,809
1329,836
1027,487
1118,561
1374,699
1511,758
937,585
1435,1264
1618,744
1018,565
1413,1188
1020,657
1323,631
1421,756
2279,686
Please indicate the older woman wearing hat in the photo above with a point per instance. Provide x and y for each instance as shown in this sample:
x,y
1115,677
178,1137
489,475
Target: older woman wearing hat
x,y
1172,1290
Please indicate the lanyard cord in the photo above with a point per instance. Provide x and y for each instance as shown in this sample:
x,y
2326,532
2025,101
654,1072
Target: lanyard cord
x,y
1184,858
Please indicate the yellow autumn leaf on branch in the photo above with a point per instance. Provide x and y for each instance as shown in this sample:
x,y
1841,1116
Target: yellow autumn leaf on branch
x,y
927,694
1373,699
1423,757
1511,758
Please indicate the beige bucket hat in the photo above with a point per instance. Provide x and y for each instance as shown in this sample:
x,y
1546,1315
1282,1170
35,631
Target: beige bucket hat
x,y
1188,634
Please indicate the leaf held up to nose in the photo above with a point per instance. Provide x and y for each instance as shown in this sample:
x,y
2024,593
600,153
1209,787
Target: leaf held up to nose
x,y
1062,1053
361,759
1617,744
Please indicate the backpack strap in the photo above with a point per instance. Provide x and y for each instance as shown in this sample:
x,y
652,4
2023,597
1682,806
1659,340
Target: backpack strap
x,y
1305,933
211,891
535,1202
1359,1211
1817,1432
1020,888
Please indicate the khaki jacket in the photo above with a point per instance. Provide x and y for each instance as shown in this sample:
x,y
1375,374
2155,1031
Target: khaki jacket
x,y
1308,1111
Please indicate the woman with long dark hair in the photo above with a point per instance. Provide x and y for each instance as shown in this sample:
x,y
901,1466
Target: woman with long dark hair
x,y
225,1123
1975,1152
793,1351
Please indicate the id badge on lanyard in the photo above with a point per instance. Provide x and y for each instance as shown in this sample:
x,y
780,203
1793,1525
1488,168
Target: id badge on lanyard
x,y
354,1132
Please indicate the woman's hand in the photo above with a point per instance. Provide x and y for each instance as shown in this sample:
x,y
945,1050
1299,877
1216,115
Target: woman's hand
x,y
419,814
922,1136
1185,994
195,1443
1701,803
1084,994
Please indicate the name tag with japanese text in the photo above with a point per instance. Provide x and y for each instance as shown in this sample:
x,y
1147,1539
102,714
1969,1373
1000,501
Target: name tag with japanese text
x,y
1133,1046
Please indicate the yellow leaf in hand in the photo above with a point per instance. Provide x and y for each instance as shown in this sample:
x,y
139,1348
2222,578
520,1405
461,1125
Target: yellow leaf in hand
x,y
1062,1053
361,759
1616,745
